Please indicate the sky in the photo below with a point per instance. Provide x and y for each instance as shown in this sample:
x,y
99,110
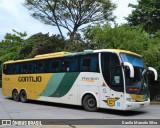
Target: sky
x,y
13,15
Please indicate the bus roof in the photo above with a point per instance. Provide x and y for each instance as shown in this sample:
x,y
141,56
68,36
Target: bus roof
x,y
63,54
118,51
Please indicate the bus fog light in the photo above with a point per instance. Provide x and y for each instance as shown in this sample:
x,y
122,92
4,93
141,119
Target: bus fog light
x,y
129,106
130,99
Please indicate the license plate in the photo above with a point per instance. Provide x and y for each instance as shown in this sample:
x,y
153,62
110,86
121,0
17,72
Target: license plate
x,y
141,105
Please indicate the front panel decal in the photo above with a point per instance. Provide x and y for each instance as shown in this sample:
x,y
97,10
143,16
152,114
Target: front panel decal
x,y
111,101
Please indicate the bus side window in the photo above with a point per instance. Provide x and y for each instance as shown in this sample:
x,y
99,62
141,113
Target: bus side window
x,y
94,63
17,68
55,65
34,67
25,68
46,66
10,68
13,68
30,69
40,67
5,69
65,64
85,63
74,64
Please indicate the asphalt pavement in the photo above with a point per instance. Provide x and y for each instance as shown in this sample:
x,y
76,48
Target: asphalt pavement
x,y
35,110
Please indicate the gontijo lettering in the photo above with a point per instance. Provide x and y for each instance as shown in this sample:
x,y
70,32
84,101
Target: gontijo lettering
x,y
30,79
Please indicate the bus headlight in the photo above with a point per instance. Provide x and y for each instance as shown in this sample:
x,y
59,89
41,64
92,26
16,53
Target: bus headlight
x,y
130,100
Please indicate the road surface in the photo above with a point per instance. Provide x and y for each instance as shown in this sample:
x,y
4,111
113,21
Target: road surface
x,y
10,109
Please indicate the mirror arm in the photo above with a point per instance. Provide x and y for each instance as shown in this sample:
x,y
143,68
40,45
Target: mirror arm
x,y
154,71
131,69
144,71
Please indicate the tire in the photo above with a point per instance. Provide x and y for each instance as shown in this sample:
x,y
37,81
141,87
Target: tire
x,y
15,95
89,103
23,96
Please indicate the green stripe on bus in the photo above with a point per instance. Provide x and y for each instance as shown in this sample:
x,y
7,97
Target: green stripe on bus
x,y
66,84
53,84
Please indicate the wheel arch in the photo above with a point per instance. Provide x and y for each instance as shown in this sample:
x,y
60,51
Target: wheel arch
x,y
16,90
89,93
22,90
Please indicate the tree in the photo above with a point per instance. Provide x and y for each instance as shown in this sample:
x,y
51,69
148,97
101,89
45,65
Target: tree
x,y
41,44
72,15
10,45
121,37
147,14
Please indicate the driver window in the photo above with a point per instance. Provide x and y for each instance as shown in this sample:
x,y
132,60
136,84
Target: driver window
x,y
116,74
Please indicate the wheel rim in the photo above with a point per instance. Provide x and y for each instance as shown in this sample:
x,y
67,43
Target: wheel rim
x,y
91,102
15,95
23,96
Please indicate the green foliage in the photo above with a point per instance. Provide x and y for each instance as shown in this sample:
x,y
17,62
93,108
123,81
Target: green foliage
x,y
71,14
121,37
147,14
41,44
10,45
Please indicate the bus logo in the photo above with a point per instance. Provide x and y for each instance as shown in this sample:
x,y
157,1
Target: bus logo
x,y
30,79
111,101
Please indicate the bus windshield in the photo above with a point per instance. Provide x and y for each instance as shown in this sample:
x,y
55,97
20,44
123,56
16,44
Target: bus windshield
x,y
139,83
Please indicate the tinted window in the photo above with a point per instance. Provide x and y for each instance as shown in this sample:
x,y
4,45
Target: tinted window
x,y
55,65
85,63
89,63
106,61
112,71
40,67
66,62
46,66
74,65
5,69
114,60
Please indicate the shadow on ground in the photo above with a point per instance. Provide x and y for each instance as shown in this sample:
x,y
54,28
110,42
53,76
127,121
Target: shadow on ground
x,y
74,107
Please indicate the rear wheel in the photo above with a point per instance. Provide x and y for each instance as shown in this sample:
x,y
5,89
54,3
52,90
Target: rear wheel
x,y
23,96
89,103
15,95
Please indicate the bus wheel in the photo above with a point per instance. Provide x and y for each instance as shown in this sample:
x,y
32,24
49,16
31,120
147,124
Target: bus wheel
x,y
23,96
15,95
89,103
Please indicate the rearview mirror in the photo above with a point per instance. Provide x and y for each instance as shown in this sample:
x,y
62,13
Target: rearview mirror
x,y
153,70
155,73
126,64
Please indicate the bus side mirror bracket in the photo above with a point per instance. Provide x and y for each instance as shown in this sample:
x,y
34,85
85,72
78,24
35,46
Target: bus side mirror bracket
x,y
126,64
155,72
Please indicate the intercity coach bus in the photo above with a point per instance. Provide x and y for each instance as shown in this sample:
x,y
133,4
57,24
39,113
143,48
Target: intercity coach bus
x,y
106,78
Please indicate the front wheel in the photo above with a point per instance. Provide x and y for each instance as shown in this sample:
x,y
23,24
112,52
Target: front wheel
x,y
89,103
23,96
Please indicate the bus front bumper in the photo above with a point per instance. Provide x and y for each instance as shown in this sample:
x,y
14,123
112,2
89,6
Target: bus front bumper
x,y
136,105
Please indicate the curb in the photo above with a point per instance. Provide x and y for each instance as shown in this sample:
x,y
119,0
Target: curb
x,y
155,102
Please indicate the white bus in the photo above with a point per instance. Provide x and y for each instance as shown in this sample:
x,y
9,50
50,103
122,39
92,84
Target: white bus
x,y
106,78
